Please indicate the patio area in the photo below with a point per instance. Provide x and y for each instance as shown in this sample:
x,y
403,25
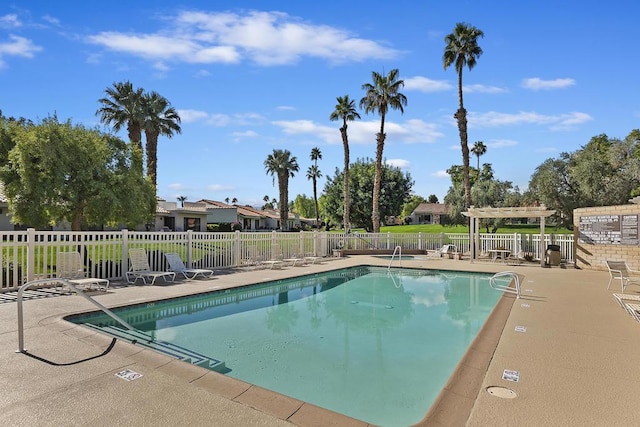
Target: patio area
x,y
570,343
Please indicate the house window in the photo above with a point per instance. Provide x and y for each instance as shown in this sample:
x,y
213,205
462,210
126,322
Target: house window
x,y
192,224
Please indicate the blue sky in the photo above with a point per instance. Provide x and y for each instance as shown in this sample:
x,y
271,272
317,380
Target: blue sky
x,y
248,77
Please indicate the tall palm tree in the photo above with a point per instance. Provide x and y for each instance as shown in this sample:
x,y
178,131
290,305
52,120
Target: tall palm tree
x,y
313,173
383,94
160,118
345,110
226,200
234,201
282,165
181,199
462,50
479,149
123,107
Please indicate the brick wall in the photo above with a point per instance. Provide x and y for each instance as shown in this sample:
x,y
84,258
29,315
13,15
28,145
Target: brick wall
x,y
593,256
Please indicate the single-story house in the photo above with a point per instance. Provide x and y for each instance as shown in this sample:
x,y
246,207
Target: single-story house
x,y
430,213
190,216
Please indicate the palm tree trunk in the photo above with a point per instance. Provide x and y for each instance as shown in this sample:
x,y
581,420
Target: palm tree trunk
x,y
283,184
345,143
375,216
461,117
315,198
152,156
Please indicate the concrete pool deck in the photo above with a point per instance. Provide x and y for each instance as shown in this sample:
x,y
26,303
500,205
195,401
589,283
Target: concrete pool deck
x,y
576,361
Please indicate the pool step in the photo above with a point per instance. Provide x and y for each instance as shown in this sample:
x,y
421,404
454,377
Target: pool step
x,y
145,340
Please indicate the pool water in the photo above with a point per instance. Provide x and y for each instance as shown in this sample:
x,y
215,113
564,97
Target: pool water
x,y
365,342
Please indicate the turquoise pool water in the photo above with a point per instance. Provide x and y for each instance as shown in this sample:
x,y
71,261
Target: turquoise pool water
x,y
375,345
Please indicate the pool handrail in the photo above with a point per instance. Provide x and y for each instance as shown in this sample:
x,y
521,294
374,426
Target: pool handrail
x,y
64,282
397,249
506,288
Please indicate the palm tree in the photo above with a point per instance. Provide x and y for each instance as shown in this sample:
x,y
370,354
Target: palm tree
x,y
226,200
345,110
234,201
123,107
181,199
382,94
462,50
313,173
160,118
280,164
479,149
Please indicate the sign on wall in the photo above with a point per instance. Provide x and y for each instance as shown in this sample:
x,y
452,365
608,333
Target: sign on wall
x,y
609,229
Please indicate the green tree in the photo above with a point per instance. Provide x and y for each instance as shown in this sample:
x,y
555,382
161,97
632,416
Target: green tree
x,y
411,204
383,94
56,172
462,50
282,165
396,187
345,110
433,199
304,206
160,119
181,199
479,149
314,174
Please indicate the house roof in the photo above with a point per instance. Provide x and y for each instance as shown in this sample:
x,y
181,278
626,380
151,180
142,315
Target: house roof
x,y
432,208
213,204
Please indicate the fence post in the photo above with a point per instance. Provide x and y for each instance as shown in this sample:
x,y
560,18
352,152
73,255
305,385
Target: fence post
x,y
124,262
238,250
420,241
189,247
31,253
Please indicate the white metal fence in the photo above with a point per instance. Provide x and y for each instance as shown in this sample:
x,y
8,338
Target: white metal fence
x,y
30,255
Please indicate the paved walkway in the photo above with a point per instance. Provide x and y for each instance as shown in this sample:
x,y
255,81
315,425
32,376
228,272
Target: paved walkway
x,y
576,362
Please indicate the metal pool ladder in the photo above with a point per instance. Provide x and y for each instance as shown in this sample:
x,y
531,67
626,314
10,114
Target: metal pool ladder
x,y
506,288
64,282
398,250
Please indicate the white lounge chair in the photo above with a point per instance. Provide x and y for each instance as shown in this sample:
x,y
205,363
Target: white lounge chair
x,y
619,270
69,266
140,268
177,266
450,250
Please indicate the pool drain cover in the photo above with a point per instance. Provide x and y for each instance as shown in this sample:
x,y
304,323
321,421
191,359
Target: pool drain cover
x,y
502,392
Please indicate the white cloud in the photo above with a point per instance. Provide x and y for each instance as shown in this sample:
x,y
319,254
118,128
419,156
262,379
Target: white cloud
x,y
536,83
285,108
426,85
10,21
265,38
220,187
190,116
398,163
557,122
440,174
17,46
218,119
51,20
245,134
483,89
364,132
203,73
499,143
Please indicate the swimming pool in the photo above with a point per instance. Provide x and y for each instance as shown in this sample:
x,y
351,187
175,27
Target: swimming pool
x,y
375,345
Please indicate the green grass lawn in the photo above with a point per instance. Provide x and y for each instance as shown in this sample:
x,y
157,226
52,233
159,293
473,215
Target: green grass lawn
x,y
435,228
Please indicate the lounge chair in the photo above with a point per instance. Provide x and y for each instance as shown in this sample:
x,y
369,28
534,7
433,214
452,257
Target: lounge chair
x,y
619,270
450,250
626,301
177,266
140,268
69,266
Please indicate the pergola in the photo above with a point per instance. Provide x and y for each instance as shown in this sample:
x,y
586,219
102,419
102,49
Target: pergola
x,y
475,214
